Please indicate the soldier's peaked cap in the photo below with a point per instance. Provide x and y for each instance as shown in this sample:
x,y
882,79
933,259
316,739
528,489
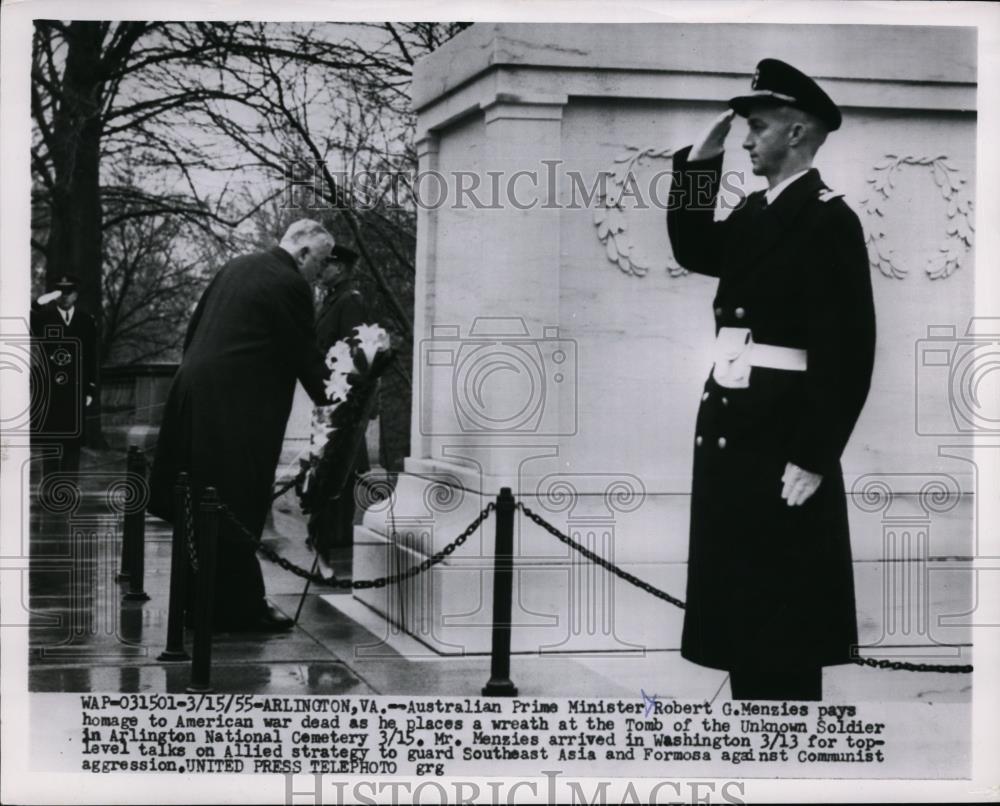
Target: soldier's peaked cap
x,y
775,82
344,254
67,282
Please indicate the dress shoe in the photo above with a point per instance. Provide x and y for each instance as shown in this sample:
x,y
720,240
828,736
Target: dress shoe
x,y
268,620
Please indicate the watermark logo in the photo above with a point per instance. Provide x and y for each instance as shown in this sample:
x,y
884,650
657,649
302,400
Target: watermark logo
x,y
313,186
501,380
958,379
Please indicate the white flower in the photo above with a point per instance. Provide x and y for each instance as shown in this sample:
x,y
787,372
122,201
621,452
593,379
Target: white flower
x,y
320,431
372,338
339,359
337,387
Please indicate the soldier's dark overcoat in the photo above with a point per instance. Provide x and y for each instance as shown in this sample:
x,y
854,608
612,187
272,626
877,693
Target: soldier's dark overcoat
x,y
766,579
67,374
251,336
342,310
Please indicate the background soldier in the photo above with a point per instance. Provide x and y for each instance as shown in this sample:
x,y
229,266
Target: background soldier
x,y
66,341
341,310
770,592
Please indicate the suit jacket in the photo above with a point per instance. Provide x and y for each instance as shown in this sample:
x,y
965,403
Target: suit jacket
x,y
251,336
66,356
766,580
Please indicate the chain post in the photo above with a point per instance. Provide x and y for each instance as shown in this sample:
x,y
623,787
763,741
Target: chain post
x,y
135,531
128,544
179,575
499,684
209,518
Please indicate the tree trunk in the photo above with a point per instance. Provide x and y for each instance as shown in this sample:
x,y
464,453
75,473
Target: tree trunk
x,y
74,245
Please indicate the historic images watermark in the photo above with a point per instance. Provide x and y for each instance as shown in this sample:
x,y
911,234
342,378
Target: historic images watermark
x,y
313,187
314,790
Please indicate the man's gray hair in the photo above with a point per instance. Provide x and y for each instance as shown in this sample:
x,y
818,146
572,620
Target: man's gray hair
x,y
304,232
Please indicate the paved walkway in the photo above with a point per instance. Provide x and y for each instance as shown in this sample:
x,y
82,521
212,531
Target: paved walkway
x,y
85,637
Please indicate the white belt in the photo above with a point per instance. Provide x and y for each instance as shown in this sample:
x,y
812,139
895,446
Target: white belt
x,y
736,352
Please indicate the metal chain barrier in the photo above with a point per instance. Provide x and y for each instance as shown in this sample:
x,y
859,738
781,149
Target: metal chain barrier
x,y
596,558
895,665
429,562
188,515
357,584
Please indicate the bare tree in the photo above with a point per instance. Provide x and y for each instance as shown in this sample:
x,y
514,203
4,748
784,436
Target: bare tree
x,y
150,129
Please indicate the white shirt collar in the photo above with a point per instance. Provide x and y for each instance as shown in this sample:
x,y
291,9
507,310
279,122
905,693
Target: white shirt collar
x,y
773,193
67,314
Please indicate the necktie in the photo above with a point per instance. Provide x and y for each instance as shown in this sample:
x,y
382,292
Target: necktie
x,y
66,317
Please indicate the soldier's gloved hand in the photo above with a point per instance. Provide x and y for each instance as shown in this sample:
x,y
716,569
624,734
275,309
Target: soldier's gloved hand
x,y
799,484
713,141
88,401
45,299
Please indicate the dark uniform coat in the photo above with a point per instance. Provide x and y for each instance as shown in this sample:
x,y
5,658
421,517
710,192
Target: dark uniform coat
x,y
68,373
342,310
252,335
766,579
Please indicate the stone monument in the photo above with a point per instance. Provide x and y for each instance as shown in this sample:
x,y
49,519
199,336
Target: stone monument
x,y
560,350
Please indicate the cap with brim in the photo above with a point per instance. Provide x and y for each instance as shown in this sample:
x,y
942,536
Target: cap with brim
x,y
343,254
776,83
68,282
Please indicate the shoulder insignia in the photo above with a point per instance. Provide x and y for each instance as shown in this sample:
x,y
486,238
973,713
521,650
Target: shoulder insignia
x,y
826,195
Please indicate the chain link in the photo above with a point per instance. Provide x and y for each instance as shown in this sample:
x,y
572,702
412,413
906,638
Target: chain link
x,y
357,584
897,665
429,562
871,662
596,558
189,538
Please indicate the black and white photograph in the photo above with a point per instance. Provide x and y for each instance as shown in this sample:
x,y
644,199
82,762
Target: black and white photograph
x,y
484,403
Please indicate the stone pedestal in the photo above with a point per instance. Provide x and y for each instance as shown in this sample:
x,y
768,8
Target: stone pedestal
x,y
560,351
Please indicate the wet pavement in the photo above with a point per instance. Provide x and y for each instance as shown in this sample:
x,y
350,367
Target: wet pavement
x,y
84,635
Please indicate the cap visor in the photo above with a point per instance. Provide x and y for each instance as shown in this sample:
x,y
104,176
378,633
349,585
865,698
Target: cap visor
x,y
742,105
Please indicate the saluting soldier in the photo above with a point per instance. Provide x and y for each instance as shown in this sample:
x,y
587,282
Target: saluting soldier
x,y
770,591
66,342
341,310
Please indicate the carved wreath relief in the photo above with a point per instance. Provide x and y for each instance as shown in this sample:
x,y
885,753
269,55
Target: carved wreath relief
x,y
611,219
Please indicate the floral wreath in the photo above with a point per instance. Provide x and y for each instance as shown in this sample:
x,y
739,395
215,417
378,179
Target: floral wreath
x,y
958,231
609,217
338,429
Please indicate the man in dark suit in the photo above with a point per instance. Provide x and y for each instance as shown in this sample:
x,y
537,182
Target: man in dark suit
x,y
342,309
770,592
66,349
251,337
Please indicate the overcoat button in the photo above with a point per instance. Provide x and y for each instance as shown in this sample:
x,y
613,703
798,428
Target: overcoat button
x,y
698,440
722,442
718,311
705,396
725,401
740,313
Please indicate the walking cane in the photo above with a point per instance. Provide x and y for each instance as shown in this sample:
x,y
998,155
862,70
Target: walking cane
x,y
350,465
305,590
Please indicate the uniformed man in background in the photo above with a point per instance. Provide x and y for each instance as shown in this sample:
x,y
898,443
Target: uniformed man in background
x,y
770,591
341,310
66,346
